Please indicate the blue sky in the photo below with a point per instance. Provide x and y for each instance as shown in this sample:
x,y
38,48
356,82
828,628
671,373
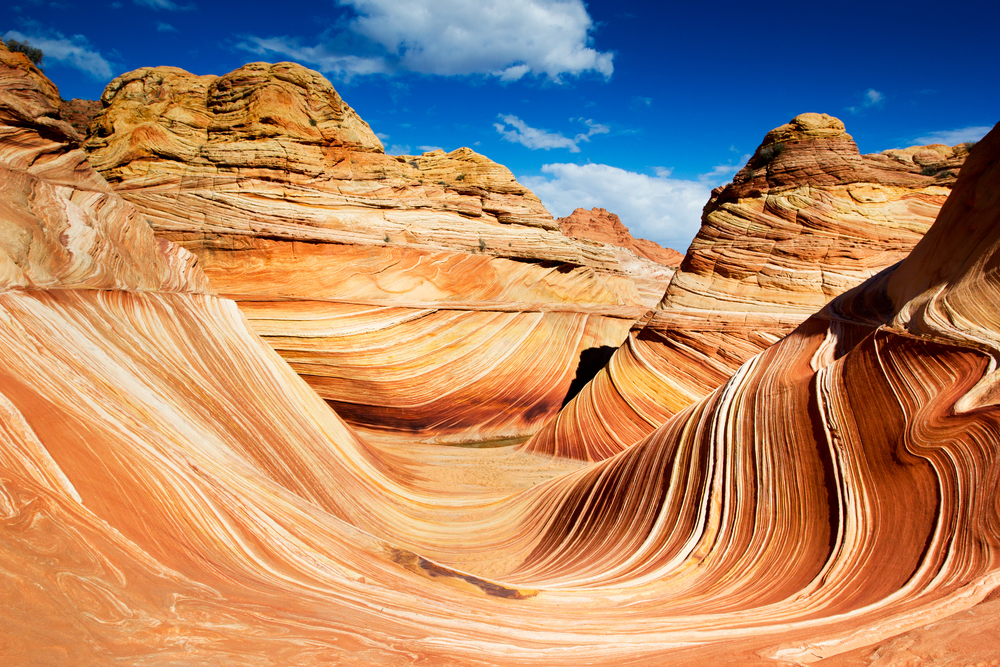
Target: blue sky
x,y
638,107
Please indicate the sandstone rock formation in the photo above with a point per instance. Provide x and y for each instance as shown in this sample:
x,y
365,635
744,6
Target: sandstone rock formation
x,y
382,280
805,220
171,492
598,224
79,113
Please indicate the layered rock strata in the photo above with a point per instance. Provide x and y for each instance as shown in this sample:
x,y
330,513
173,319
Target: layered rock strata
x,y
79,113
431,294
173,493
806,219
598,224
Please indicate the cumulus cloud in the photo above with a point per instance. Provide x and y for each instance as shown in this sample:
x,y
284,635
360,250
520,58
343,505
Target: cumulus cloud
x,y
871,98
516,131
165,27
952,137
661,208
74,51
509,39
398,149
322,57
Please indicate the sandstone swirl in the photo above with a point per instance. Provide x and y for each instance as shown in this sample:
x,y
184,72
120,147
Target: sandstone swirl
x,y
427,294
172,492
806,219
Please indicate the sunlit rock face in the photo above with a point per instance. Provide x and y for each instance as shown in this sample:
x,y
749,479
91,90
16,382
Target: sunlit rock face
x,y
604,227
601,225
62,225
431,294
806,219
172,492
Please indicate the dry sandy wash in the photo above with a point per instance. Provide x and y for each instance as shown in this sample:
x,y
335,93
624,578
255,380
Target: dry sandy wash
x,y
172,492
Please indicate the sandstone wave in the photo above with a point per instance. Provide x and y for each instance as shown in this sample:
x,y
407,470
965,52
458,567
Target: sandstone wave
x,y
806,219
294,210
172,492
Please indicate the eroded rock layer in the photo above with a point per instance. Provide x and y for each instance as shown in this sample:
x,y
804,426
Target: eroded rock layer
x,y
294,210
598,224
806,219
172,492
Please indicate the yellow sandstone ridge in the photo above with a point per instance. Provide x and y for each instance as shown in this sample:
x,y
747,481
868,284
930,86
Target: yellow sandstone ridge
x,y
294,210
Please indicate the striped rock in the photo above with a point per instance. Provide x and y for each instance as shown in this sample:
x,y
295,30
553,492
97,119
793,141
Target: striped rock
x,y
806,219
172,492
475,310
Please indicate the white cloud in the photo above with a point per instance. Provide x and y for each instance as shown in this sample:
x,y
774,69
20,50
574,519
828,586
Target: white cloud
x,y
520,132
321,57
506,38
381,135
952,137
871,98
664,209
595,128
723,172
532,137
428,149
74,51
165,27
509,39
169,5
398,149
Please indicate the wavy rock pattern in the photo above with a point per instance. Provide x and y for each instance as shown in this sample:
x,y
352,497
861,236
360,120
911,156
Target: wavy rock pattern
x,y
293,209
171,492
805,220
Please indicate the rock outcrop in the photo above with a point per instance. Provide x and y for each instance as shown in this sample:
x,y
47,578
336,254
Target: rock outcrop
x,y
806,219
79,113
598,224
172,492
430,294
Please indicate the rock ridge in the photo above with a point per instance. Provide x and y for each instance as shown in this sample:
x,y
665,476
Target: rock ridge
x,y
805,220
604,227
294,210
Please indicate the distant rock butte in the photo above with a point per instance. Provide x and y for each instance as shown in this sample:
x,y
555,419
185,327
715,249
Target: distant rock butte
x,y
79,113
598,224
806,219
472,308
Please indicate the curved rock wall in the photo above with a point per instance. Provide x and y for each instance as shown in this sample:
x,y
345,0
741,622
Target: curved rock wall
x,y
806,219
293,209
171,492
